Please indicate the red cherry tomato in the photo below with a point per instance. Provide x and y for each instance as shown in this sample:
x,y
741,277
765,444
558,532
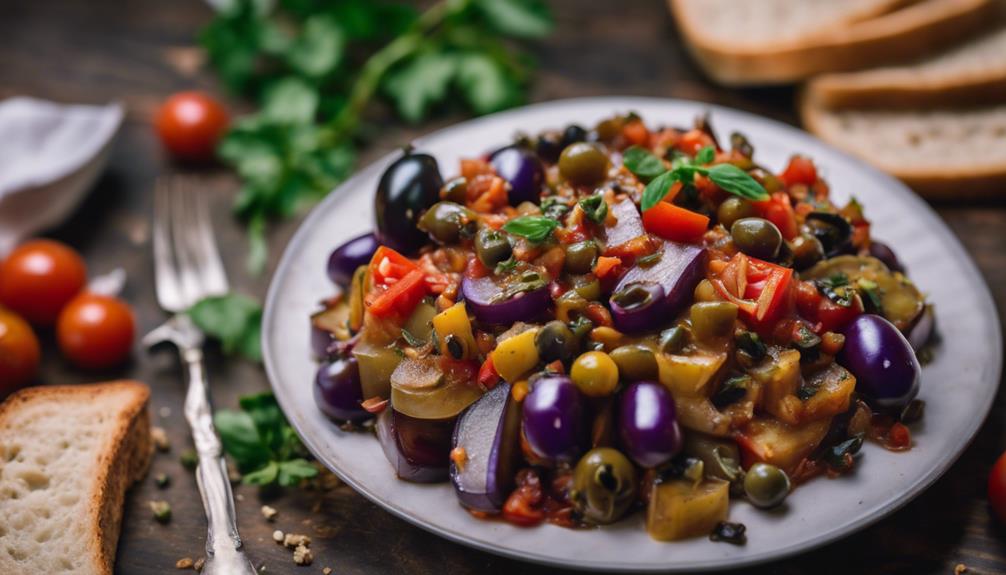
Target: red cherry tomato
x,y
19,352
39,278
997,488
190,124
801,170
96,331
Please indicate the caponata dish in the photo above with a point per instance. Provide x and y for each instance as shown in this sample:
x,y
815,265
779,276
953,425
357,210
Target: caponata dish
x,y
587,323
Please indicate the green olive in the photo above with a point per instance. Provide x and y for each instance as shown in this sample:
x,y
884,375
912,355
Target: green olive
x,y
583,164
733,209
448,222
766,485
492,247
609,129
555,341
720,457
456,190
635,362
807,251
588,286
604,485
673,340
580,257
713,320
757,237
595,374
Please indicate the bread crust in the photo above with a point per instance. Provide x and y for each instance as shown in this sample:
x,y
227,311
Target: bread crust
x,y
889,37
122,461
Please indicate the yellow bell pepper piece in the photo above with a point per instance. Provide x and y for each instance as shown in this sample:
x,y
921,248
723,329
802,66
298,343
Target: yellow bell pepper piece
x,y
679,509
516,355
454,330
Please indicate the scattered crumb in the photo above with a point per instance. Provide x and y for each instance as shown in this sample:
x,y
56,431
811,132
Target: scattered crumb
x,y
164,412
326,571
185,563
189,459
160,439
162,480
198,566
269,513
161,510
302,555
239,497
293,540
960,568
277,536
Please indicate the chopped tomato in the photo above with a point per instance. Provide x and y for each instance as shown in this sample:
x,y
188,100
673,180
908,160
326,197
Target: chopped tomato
x,y
472,167
402,296
801,170
635,248
779,211
523,507
694,140
760,289
486,193
635,132
828,315
387,265
675,223
488,376
606,266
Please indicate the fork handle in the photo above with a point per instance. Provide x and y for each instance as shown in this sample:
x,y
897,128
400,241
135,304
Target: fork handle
x,y
224,553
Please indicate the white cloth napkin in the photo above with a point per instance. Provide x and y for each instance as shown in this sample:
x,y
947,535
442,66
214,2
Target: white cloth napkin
x,y
50,155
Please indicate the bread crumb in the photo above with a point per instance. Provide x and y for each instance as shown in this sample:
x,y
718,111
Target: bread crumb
x,y
277,536
302,555
326,571
160,439
161,510
189,459
293,540
960,568
239,497
269,513
198,565
164,412
162,480
185,563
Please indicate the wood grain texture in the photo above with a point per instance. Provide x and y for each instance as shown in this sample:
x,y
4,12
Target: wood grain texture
x,y
139,51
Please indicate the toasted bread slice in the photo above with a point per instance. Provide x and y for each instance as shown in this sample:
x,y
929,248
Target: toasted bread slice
x,y
67,456
971,73
751,43
943,153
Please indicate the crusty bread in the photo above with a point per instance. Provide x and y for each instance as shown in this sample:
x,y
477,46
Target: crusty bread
x,y
67,456
740,42
944,153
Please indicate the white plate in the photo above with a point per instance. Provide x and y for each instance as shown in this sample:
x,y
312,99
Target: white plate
x,y
958,386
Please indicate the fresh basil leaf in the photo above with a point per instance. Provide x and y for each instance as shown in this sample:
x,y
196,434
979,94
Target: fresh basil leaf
x,y
657,189
290,101
263,476
505,266
241,439
705,155
292,472
737,182
268,418
420,82
521,18
319,48
234,320
595,207
642,163
535,229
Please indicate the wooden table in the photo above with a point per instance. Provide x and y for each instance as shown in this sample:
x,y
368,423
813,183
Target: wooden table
x,y
139,51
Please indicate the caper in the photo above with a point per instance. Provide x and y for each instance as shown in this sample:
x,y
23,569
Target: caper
x,y
588,286
492,247
448,222
595,374
733,209
757,237
580,257
766,485
455,190
635,362
673,340
583,164
713,320
807,251
604,485
555,341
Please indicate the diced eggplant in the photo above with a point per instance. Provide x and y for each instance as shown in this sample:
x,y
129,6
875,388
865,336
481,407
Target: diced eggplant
x,y
680,509
901,303
418,449
629,224
377,363
832,389
423,388
328,325
489,435
648,297
782,445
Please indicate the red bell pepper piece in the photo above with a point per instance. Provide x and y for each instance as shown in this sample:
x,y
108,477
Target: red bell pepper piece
x,y
779,211
675,223
387,264
400,297
488,376
760,289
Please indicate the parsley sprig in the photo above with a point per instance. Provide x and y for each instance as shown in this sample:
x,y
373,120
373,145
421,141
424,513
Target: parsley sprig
x,y
315,68
649,168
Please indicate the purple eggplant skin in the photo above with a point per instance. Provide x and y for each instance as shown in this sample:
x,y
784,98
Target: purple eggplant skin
x,y
321,339
877,353
418,449
629,224
344,260
884,253
924,328
648,424
489,433
408,187
337,391
647,298
522,169
479,294
553,420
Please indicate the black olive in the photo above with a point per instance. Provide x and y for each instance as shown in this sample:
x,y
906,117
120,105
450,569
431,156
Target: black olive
x,y
549,146
573,134
832,230
407,188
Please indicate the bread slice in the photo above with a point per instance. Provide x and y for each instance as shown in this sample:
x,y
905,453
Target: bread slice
x,y
783,41
972,73
941,153
67,456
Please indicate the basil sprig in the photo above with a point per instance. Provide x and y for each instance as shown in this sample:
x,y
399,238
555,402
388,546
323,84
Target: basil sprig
x,y
727,176
535,229
595,207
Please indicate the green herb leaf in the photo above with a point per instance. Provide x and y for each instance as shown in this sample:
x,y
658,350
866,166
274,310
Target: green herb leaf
x,y
642,163
736,181
705,155
411,339
292,472
657,189
485,84
263,476
290,101
319,48
535,229
521,18
241,439
233,319
421,82
595,207
505,266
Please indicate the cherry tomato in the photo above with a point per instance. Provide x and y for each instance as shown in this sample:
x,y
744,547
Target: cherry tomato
x,y
800,170
190,124
96,331
997,488
39,278
19,352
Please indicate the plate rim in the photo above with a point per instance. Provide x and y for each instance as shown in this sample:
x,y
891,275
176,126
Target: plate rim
x,y
894,186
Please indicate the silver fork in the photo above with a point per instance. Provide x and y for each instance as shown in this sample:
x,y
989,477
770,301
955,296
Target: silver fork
x,y
187,268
